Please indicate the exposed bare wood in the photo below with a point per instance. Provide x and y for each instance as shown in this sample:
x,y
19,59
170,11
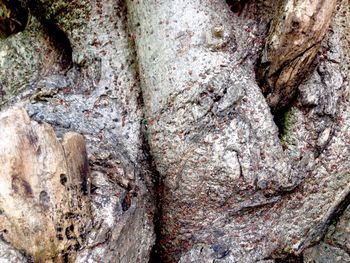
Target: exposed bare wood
x,y
292,45
44,197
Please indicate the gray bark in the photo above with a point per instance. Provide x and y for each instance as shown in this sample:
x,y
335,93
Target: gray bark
x,y
188,161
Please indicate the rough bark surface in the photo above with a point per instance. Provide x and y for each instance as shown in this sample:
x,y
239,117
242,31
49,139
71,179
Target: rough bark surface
x,y
178,131
233,191
73,68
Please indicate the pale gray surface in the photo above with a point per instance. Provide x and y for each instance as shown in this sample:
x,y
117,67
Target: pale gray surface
x,y
233,191
324,253
339,235
96,94
227,179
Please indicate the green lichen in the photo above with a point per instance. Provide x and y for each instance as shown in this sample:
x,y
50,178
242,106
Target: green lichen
x,y
285,122
287,250
19,62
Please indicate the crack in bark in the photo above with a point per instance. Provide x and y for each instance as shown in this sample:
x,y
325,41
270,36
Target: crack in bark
x,y
338,211
58,37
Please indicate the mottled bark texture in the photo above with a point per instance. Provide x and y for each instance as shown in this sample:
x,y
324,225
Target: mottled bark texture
x,y
73,68
233,189
169,96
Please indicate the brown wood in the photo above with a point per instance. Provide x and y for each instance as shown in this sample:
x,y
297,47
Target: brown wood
x,y
292,45
44,197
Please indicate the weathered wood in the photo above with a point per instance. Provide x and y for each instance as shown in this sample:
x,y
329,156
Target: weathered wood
x,y
293,43
44,197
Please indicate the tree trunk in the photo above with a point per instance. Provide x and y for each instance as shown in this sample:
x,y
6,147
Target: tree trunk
x,y
215,131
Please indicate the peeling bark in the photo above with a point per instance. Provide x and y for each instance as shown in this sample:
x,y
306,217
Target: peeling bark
x,y
293,42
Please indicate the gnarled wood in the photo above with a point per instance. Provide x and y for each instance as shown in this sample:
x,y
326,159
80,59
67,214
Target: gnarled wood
x,y
44,197
292,45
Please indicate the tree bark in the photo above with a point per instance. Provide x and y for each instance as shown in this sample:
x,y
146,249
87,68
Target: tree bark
x,y
215,131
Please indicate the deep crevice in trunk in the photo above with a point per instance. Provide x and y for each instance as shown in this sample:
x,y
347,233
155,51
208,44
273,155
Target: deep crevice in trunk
x,y
337,213
290,259
156,255
236,6
61,41
155,185
13,18
57,36
281,120
150,174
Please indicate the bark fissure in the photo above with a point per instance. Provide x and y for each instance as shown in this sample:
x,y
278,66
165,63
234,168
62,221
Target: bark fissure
x,y
58,36
187,162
